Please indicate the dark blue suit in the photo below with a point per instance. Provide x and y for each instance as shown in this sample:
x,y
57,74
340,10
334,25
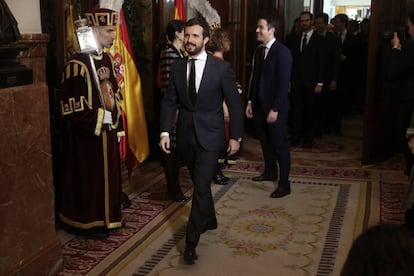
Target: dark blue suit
x,y
200,132
269,85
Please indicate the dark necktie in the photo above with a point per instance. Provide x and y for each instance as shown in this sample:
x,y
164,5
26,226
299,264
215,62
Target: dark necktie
x,y
304,41
263,52
191,82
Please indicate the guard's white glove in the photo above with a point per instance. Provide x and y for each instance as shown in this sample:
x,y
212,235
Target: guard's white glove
x,y
107,117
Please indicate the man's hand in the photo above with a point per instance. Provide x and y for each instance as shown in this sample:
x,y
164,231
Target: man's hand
x,y
395,42
411,144
318,89
249,111
332,86
165,144
271,116
233,147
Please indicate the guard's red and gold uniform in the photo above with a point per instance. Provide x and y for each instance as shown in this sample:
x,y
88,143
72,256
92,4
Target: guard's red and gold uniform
x,y
91,188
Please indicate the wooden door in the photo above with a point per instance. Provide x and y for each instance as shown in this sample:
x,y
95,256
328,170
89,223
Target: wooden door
x,y
380,105
231,15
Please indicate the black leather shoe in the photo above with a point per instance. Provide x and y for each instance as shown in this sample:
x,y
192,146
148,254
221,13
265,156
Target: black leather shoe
x,y
210,226
126,202
220,179
280,192
190,255
307,145
294,142
180,198
99,233
264,177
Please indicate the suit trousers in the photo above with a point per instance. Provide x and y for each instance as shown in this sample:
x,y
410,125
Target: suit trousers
x,y
171,164
275,145
337,107
303,101
402,122
202,165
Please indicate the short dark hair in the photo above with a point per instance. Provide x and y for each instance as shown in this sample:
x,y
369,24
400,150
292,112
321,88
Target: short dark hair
x,y
308,13
201,22
270,18
324,16
343,18
173,26
383,249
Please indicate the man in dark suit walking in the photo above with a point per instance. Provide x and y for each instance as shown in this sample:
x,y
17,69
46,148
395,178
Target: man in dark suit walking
x,y
307,81
268,103
197,89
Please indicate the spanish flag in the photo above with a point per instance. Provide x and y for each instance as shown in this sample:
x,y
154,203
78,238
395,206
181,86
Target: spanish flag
x,y
71,42
179,10
134,147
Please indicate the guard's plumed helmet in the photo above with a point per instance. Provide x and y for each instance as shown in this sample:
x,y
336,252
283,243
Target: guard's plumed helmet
x,y
101,17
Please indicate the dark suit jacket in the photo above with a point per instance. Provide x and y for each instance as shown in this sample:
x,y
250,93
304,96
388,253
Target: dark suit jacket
x,y
401,69
348,67
308,66
206,117
331,51
270,79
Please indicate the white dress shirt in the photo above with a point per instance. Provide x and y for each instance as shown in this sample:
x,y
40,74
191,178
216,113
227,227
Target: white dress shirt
x,y
268,45
200,63
308,36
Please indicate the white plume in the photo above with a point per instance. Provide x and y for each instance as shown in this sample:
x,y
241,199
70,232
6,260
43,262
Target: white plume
x,y
114,5
207,11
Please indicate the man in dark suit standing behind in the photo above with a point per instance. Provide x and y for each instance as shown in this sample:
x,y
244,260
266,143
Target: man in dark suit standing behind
x,y
307,80
324,101
197,89
347,80
268,103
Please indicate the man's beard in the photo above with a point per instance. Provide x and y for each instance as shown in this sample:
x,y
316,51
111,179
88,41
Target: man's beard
x,y
195,51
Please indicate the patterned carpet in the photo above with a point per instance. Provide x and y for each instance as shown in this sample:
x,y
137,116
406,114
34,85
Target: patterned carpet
x,y
337,196
303,231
